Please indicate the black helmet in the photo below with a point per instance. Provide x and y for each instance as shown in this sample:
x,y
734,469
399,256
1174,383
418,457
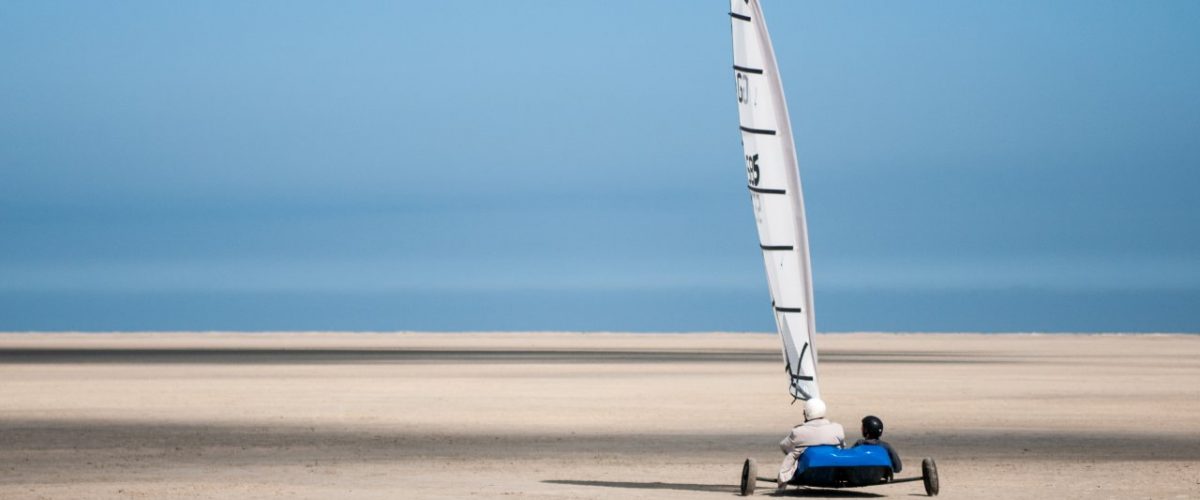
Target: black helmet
x,y
872,427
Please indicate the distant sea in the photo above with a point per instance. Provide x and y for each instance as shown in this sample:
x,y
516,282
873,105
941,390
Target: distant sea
x,y
657,310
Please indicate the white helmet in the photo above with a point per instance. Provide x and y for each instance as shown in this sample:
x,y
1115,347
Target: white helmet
x,y
814,409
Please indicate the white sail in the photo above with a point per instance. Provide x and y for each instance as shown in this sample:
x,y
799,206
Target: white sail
x,y
774,183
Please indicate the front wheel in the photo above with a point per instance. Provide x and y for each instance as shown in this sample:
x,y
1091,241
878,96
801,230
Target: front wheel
x,y
929,476
749,477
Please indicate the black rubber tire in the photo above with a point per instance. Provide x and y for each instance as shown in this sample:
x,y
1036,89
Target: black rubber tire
x,y
749,477
930,477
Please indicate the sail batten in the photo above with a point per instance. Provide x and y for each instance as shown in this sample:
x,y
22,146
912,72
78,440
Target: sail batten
x,y
775,192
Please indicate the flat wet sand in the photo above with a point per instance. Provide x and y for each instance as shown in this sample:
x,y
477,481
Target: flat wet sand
x,y
544,415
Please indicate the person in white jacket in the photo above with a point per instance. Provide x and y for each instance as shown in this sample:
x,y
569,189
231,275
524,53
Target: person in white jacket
x,y
815,431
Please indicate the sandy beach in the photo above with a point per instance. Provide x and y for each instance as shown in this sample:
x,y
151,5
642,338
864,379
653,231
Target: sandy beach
x,y
550,415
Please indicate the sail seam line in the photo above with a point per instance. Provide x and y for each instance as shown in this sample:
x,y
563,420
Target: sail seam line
x,y
788,309
762,131
744,69
776,247
739,16
767,191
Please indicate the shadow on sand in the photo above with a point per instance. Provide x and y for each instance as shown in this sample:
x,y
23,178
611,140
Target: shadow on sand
x,y
724,488
825,493
718,488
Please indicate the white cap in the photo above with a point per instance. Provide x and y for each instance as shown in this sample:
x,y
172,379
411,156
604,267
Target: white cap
x,y
814,409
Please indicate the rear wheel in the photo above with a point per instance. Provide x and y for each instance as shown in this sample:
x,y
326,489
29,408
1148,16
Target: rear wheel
x,y
749,477
929,476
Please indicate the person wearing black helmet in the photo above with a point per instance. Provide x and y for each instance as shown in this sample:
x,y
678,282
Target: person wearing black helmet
x,y
872,429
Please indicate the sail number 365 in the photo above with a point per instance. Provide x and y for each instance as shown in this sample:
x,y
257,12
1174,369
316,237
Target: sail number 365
x,y
752,169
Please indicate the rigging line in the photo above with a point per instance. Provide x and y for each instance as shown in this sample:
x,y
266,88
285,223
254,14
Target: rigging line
x,y
800,358
787,367
761,131
802,392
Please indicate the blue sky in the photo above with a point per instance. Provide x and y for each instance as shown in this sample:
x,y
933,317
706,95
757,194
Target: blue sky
x,y
576,165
